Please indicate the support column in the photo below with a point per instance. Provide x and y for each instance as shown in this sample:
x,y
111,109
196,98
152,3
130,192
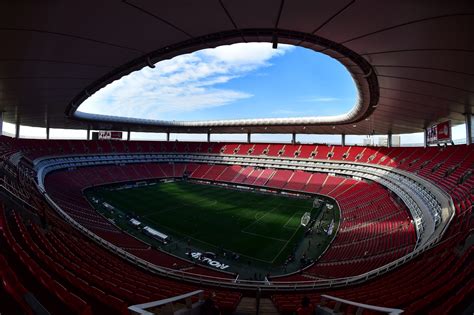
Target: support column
x,y
343,140
208,136
47,132
389,139
249,137
468,118
88,132
1,123
128,135
17,129
168,136
425,135
293,138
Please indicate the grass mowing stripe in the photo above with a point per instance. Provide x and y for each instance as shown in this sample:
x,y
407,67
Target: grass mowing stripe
x,y
252,224
289,219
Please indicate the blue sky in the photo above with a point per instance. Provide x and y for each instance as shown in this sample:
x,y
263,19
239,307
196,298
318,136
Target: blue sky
x,y
246,80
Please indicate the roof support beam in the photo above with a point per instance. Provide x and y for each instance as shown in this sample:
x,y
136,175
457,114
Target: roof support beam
x,y
425,135
389,139
468,118
249,137
343,139
208,136
17,129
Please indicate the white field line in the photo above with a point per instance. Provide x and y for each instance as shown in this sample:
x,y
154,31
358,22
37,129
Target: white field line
x,y
284,246
243,230
289,228
264,236
213,245
257,220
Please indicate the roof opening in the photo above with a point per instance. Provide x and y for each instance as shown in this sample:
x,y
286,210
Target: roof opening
x,y
239,81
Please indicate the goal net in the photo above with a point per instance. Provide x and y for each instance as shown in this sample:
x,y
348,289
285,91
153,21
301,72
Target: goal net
x,y
316,203
305,219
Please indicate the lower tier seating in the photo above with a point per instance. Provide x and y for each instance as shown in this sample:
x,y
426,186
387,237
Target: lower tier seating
x,y
70,274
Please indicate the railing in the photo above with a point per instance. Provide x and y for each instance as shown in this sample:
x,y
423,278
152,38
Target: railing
x,y
360,306
166,305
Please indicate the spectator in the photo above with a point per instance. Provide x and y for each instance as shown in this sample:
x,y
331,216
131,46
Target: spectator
x,y
209,307
306,307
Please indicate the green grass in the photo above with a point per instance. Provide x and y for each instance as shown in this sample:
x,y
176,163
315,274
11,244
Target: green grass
x,y
257,226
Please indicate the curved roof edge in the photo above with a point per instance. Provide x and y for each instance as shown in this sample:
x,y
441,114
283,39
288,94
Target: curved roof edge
x,y
361,70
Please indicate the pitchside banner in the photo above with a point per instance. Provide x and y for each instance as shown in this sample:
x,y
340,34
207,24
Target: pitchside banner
x,y
439,133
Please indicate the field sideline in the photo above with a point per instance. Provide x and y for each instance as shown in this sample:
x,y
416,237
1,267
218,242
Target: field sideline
x,y
258,226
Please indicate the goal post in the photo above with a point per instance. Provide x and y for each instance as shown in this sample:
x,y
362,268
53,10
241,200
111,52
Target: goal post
x,y
305,218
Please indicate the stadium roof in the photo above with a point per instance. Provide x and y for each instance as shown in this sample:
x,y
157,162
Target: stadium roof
x,y
413,61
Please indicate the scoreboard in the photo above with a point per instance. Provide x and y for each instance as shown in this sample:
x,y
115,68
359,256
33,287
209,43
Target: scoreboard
x,y
439,133
107,135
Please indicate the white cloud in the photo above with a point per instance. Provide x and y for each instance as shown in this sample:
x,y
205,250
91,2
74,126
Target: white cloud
x,y
246,54
186,83
320,99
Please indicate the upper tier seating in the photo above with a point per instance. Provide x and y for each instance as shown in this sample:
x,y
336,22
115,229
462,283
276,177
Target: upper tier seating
x,y
444,166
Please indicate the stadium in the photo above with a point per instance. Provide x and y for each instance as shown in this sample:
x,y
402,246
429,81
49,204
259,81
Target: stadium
x,y
208,219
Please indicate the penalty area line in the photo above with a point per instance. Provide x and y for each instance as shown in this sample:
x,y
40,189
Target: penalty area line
x,y
285,226
269,211
284,246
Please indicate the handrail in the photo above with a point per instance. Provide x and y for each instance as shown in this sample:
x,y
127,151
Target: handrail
x,y
391,311
141,308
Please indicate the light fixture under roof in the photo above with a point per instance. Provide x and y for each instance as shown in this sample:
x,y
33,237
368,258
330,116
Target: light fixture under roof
x,y
275,41
149,63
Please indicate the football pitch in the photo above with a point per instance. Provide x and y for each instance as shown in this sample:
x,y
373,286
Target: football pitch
x,y
262,227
